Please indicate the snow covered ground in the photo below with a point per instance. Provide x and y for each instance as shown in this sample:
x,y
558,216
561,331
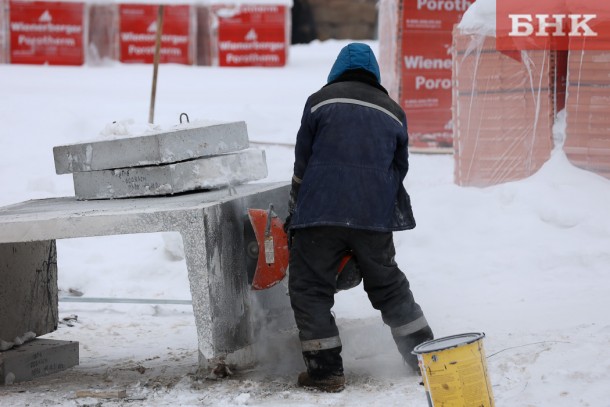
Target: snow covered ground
x,y
527,262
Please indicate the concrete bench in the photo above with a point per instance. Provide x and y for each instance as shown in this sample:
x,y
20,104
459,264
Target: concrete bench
x,y
213,227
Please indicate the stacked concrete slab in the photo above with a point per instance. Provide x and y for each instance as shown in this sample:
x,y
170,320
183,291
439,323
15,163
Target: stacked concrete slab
x,y
163,163
503,111
587,143
37,358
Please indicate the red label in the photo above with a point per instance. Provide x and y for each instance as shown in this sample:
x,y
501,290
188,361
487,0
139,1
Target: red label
x,y
46,32
433,15
138,33
430,128
426,51
252,35
553,24
426,69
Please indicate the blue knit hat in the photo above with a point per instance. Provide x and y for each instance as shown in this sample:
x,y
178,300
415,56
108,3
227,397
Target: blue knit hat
x,y
355,56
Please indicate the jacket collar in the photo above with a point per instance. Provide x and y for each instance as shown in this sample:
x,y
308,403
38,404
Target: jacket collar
x,y
359,75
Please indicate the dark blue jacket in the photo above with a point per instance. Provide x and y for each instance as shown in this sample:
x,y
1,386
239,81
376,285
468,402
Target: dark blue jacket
x,y
351,152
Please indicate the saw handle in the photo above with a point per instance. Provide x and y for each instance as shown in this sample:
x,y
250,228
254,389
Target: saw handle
x,y
270,214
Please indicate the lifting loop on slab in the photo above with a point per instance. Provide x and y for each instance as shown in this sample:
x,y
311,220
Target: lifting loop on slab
x,y
185,115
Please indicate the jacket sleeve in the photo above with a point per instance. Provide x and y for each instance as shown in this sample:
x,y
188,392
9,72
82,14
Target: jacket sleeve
x,y
401,155
303,147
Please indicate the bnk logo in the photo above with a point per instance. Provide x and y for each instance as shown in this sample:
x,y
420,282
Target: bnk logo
x,y
553,24
522,25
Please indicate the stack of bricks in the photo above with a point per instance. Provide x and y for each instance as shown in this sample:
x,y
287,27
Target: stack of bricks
x,y
189,158
214,32
587,143
503,111
415,38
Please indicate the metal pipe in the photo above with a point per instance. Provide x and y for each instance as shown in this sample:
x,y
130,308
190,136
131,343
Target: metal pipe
x,y
124,300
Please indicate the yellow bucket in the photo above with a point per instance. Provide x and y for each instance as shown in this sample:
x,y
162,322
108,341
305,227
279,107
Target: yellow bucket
x,y
454,371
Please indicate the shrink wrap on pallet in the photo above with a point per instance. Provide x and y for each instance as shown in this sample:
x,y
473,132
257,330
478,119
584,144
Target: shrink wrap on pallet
x,y
587,143
503,110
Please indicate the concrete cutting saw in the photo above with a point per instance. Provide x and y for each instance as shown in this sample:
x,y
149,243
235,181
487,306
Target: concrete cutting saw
x,y
269,250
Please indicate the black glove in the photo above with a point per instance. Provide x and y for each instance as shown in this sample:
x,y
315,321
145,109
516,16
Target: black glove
x,y
292,201
294,194
292,204
287,223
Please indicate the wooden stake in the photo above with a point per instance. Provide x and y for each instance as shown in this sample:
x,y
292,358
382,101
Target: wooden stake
x,y
153,95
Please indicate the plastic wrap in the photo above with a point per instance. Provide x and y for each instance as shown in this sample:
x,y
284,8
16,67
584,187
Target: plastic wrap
x,y
587,143
503,110
103,33
3,31
389,46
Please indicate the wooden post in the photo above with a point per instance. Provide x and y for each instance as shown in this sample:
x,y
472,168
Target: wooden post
x,y
151,113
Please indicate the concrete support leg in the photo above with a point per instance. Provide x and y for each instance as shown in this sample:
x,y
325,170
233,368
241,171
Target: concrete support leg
x,y
196,262
28,289
228,314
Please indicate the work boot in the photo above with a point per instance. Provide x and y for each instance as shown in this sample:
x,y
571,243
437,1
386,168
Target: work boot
x,y
324,370
329,384
407,343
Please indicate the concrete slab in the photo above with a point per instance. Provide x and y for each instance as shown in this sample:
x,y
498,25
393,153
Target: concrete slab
x,y
33,309
184,143
37,358
199,174
227,312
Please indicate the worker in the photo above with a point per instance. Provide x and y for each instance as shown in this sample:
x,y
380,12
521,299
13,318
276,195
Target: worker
x,y
347,196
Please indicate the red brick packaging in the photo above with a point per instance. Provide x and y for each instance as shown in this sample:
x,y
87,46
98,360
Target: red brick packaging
x,y
137,33
248,34
503,111
587,143
418,44
46,32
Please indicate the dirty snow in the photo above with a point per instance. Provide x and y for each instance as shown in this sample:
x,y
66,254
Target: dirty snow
x,y
526,262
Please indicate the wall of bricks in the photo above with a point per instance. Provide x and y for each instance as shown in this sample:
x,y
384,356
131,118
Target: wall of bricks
x,y
587,143
503,111
415,38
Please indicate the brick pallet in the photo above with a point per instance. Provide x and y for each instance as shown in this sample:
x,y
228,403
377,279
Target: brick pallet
x,y
587,143
503,111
